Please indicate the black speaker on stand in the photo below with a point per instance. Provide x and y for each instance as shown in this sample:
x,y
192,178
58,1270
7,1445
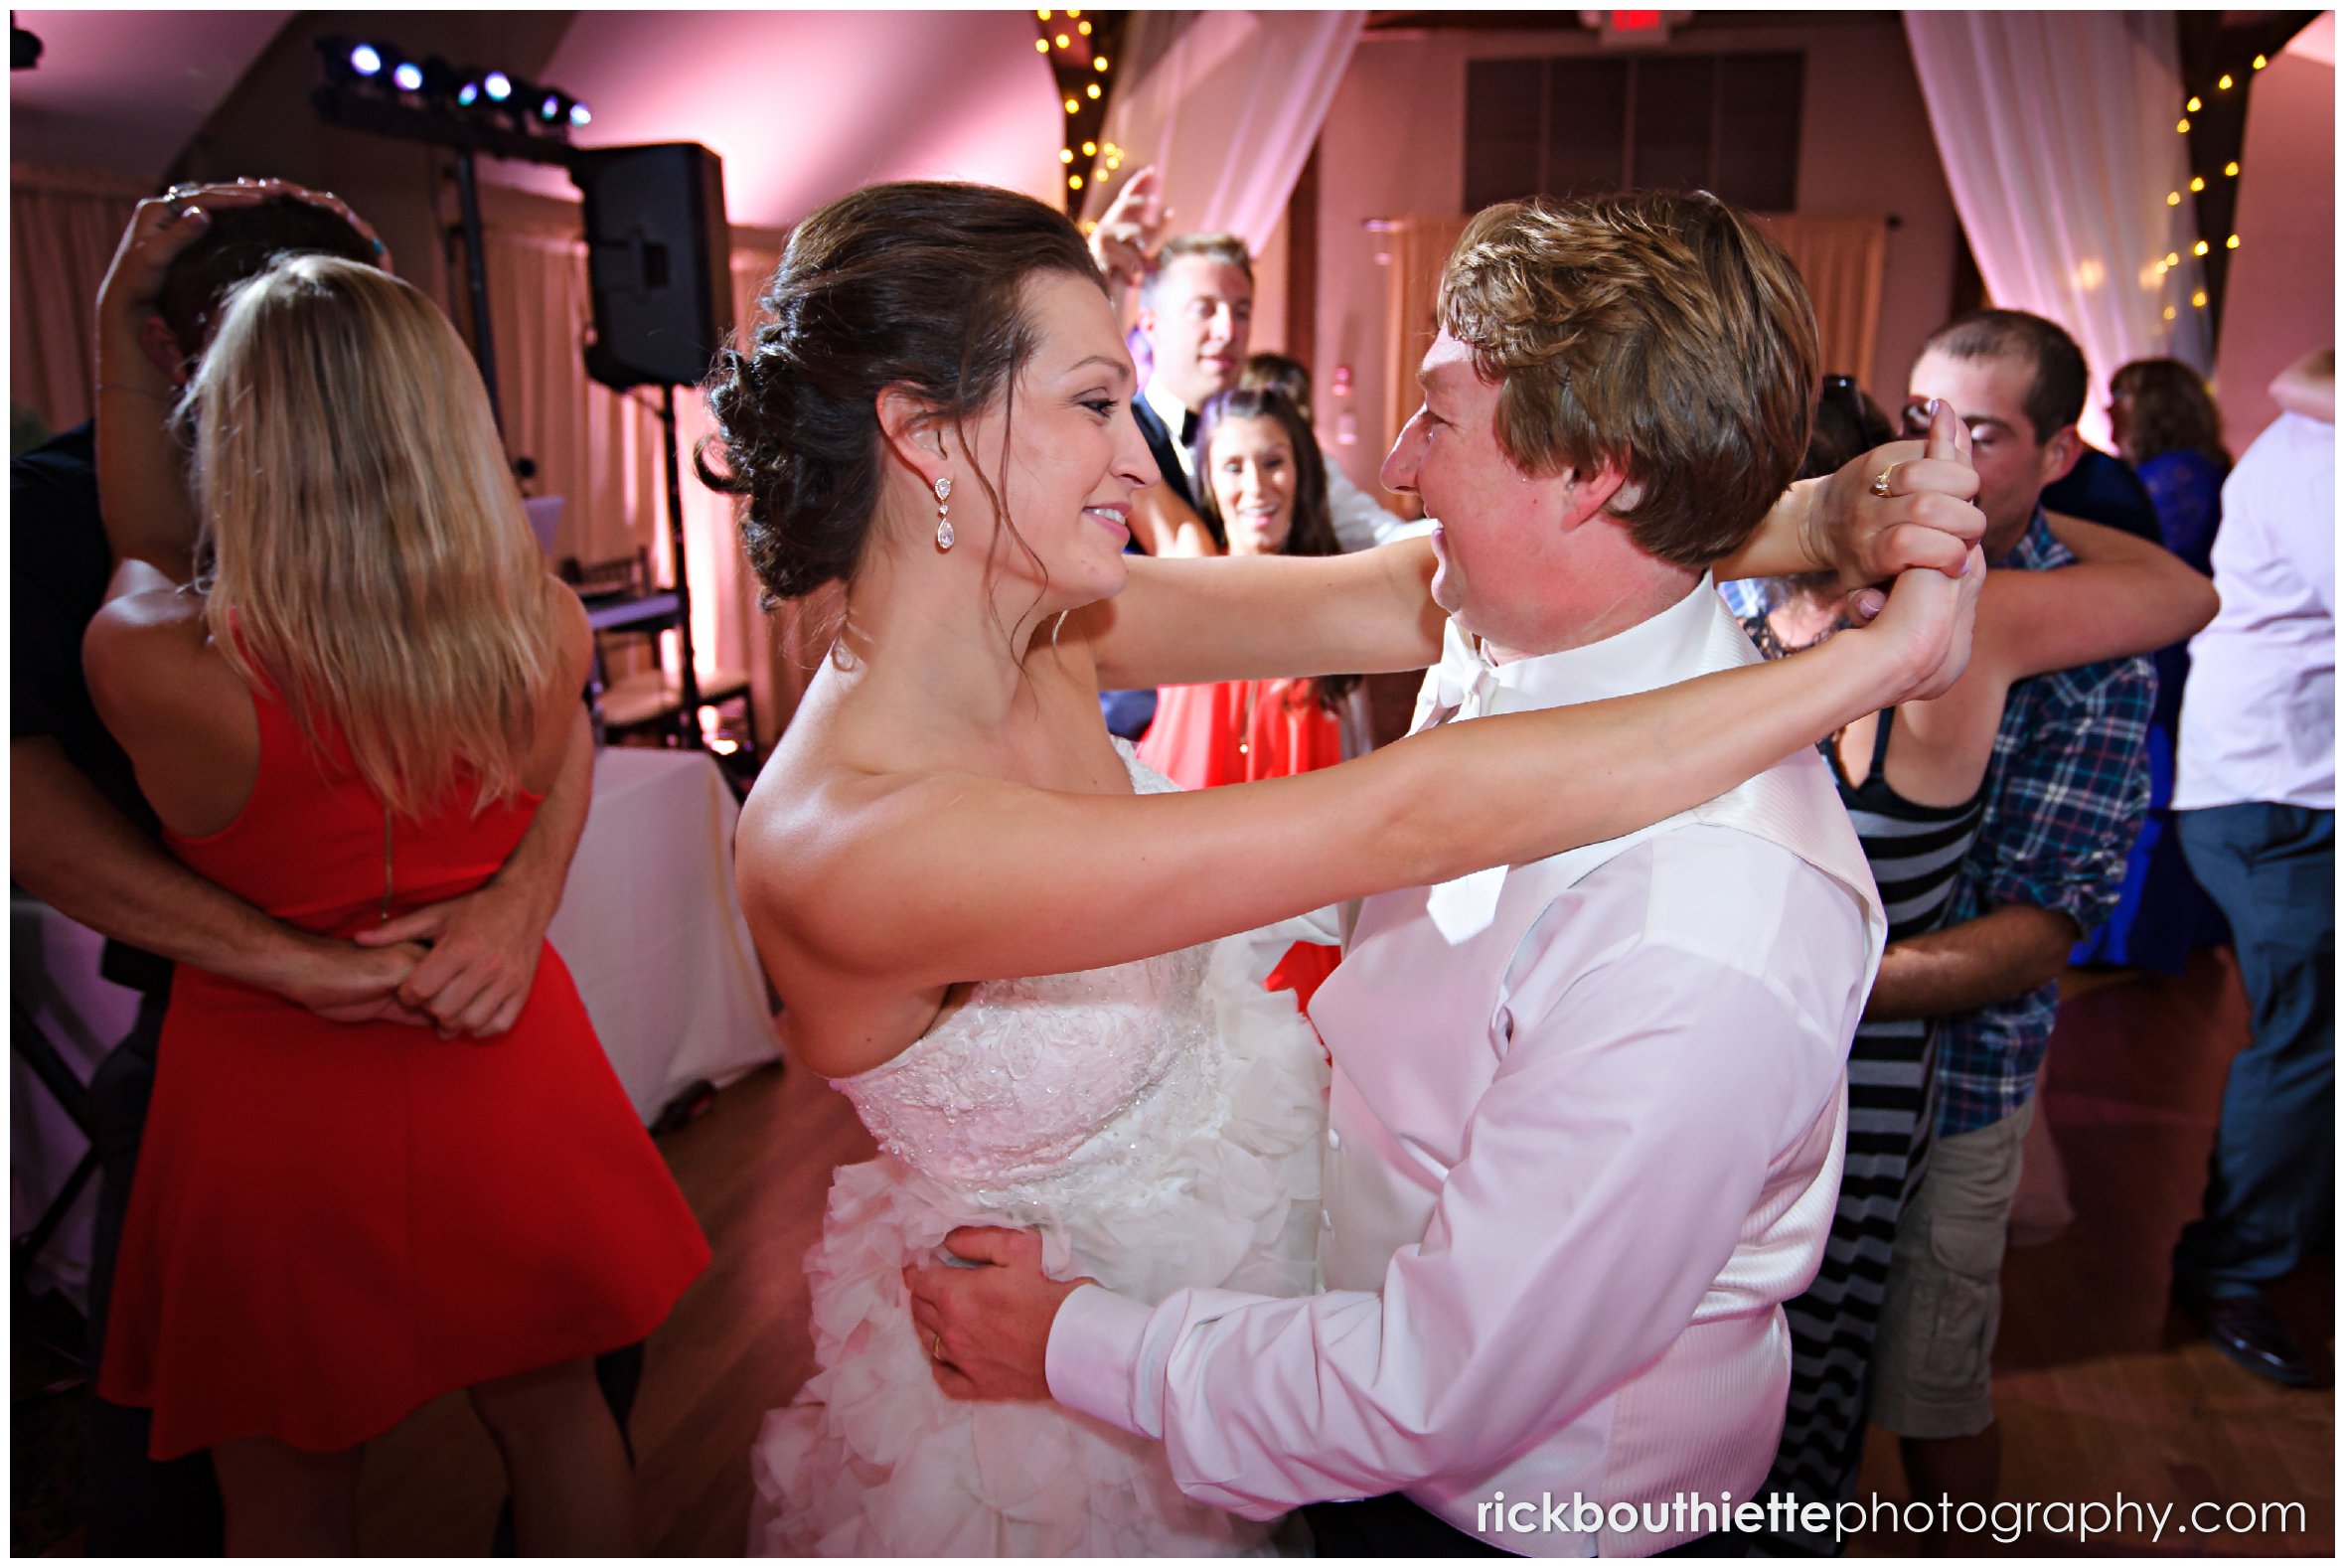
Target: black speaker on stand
x,y
659,264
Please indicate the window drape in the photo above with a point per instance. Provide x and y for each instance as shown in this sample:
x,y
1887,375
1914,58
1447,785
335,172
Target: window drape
x,y
1227,105
1840,259
62,228
2057,130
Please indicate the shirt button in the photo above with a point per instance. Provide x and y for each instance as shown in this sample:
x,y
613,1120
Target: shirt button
x,y
1334,1139
1326,1220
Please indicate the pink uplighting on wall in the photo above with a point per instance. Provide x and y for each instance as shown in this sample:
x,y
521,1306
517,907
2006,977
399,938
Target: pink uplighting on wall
x,y
806,106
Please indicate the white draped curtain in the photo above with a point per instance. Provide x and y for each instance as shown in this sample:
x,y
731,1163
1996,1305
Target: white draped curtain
x,y
1227,105
2057,130
63,226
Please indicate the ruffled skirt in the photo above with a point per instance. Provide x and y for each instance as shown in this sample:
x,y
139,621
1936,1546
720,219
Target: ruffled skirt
x,y
872,1459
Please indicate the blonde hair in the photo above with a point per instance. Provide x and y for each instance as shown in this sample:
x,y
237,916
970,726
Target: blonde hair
x,y
363,542
1663,333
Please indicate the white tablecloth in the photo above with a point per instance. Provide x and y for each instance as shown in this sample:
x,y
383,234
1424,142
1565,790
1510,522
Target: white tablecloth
x,y
649,926
654,933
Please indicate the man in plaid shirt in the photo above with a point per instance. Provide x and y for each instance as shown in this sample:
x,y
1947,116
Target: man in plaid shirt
x,y
2067,791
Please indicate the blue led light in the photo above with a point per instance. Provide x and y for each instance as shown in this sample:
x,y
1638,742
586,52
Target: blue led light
x,y
498,85
408,77
365,60
468,94
579,116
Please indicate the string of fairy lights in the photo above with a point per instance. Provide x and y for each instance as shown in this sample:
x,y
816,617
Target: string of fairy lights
x,y
2215,204
1077,47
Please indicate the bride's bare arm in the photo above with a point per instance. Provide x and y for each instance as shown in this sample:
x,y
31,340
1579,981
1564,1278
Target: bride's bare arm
x,y
898,885
1178,622
1234,617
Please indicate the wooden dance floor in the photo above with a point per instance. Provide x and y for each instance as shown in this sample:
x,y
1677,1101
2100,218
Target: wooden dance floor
x,y
2103,1392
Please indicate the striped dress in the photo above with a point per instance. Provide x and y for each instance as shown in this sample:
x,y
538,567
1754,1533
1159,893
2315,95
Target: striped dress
x,y
1916,853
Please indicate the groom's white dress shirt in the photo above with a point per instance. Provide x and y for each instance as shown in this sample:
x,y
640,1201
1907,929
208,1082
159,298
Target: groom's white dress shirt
x,y
1584,1138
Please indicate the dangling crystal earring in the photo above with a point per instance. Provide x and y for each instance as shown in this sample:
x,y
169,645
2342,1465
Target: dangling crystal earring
x,y
944,517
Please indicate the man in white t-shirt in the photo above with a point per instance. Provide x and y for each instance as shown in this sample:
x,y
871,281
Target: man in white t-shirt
x,y
2256,807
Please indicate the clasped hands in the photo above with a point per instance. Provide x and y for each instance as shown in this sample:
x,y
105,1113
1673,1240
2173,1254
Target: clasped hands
x,y
463,967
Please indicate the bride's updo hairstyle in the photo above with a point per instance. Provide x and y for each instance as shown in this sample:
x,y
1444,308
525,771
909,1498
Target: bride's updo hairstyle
x,y
916,284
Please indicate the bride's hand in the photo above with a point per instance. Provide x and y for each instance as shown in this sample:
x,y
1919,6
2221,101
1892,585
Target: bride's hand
x,y
1925,517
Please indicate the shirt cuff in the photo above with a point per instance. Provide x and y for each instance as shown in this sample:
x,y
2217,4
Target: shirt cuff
x,y
1094,1348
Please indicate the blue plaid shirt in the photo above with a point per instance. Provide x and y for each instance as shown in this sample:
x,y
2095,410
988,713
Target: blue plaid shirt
x,y
2067,791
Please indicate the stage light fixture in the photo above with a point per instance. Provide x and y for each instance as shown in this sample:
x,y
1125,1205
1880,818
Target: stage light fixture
x,y
408,76
366,60
468,94
496,85
579,116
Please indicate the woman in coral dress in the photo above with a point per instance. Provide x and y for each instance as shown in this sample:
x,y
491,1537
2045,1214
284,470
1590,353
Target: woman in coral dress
x,y
353,712
1265,488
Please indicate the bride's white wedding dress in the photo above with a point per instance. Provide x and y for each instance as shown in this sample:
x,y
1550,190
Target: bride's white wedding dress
x,y
1159,1122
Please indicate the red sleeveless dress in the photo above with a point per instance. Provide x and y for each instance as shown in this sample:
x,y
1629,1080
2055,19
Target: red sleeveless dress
x,y
335,1223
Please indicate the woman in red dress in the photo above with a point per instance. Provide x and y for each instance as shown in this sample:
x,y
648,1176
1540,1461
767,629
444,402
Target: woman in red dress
x,y
352,711
1265,488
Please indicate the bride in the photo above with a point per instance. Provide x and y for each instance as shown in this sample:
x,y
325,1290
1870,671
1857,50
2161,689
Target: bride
x,y
999,935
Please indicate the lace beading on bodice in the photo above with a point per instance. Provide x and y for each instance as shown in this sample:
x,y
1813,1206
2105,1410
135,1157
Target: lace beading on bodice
x,y
1042,1090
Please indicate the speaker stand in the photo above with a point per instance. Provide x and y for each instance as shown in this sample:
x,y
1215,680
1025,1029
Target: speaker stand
x,y
688,685
476,273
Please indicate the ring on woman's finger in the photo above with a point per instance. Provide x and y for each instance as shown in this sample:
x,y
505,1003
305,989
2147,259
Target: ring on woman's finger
x,y
1881,482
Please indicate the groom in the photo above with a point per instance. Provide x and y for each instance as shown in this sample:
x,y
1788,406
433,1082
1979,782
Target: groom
x,y
1585,1123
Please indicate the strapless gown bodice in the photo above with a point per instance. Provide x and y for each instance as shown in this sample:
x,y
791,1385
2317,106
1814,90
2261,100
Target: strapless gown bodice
x,y
1159,1122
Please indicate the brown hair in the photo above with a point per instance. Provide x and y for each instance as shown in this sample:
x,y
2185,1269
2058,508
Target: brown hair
x,y
2172,413
1282,372
1664,334
240,242
916,284
2056,393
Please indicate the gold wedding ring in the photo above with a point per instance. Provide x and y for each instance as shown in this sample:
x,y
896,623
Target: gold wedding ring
x,y
1881,484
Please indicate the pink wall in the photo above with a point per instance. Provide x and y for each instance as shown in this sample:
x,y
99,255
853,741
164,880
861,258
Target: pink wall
x,y
1394,144
2280,299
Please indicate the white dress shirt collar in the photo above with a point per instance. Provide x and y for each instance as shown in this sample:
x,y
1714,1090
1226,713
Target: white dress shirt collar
x,y
1655,652
1173,413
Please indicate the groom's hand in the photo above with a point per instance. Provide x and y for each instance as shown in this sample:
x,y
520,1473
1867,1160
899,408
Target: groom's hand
x,y
986,1330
